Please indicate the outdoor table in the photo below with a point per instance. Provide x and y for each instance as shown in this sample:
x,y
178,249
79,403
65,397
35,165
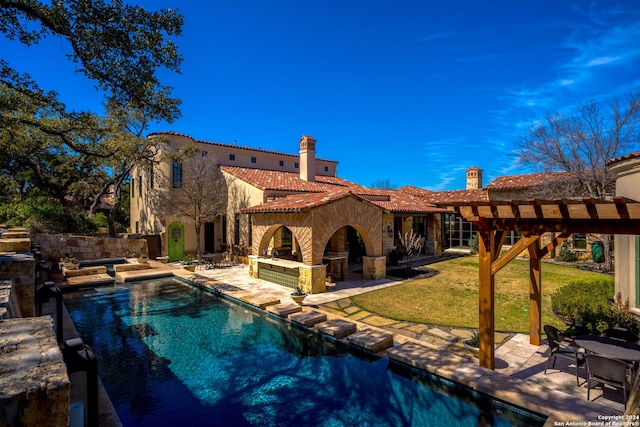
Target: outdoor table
x,y
617,349
334,261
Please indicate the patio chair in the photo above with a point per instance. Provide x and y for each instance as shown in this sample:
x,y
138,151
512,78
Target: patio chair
x,y
606,370
558,348
621,334
214,261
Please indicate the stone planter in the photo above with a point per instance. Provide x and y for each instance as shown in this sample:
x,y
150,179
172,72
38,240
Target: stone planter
x,y
473,349
298,298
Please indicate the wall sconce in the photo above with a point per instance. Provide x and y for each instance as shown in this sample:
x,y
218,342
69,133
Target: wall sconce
x,y
389,231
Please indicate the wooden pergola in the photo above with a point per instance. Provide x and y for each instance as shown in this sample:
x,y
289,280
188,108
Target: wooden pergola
x,y
533,218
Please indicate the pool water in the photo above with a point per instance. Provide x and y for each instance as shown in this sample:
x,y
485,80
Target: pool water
x,y
172,354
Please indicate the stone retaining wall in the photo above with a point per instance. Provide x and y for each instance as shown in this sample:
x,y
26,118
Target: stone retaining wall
x,y
56,246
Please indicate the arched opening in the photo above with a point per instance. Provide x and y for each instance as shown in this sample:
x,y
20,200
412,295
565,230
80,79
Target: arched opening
x,y
280,242
344,253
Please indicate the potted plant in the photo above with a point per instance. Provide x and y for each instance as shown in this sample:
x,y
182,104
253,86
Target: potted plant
x,y
298,295
189,262
473,344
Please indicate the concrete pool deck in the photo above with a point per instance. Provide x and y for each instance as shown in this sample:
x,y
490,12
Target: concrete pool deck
x,y
518,379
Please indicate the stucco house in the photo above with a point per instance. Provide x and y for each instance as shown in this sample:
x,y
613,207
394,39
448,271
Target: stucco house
x,y
627,247
292,205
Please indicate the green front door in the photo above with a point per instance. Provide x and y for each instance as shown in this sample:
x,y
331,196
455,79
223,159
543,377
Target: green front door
x,y
176,241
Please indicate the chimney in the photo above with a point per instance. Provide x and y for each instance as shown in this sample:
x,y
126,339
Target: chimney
x,y
474,178
308,158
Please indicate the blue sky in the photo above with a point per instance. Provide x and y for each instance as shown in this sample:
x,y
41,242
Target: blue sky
x,y
414,91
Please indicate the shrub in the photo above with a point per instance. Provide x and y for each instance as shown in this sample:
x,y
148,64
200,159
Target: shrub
x,y
566,254
474,244
585,303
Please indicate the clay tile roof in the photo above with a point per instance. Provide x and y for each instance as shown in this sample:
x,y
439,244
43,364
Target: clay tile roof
x,y
444,197
220,144
295,203
398,201
288,181
512,182
625,157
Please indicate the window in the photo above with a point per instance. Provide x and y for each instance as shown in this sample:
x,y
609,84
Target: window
x,y
580,241
133,187
232,156
177,175
139,186
419,226
281,163
254,160
511,237
457,232
295,165
204,153
326,168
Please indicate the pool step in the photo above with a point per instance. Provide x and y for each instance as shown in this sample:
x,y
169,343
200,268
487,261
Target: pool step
x,y
308,318
90,279
84,271
371,340
337,328
284,310
430,359
260,301
150,273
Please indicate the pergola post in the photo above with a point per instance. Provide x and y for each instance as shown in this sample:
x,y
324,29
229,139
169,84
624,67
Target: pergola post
x,y
486,288
535,293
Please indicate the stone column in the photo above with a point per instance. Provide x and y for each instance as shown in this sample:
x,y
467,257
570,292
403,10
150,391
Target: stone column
x,y
20,269
374,267
313,278
253,266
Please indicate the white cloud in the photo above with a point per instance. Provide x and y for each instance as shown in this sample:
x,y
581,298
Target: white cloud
x,y
602,60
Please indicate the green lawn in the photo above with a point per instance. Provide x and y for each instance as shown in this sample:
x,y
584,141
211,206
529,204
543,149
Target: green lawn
x,y
450,298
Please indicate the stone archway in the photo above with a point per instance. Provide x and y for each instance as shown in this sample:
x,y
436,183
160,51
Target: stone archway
x,y
313,226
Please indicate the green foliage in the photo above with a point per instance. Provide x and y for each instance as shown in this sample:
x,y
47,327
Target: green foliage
x,y
475,339
298,291
474,244
45,215
99,219
119,46
585,303
188,260
565,254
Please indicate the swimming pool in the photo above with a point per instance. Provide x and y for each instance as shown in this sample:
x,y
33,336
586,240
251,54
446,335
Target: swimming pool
x,y
172,354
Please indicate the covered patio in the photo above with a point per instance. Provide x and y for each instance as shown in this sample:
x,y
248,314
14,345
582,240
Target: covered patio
x,y
533,218
317,222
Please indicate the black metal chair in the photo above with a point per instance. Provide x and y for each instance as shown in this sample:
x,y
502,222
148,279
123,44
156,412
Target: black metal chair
x,y
621,334
606,370
558,348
